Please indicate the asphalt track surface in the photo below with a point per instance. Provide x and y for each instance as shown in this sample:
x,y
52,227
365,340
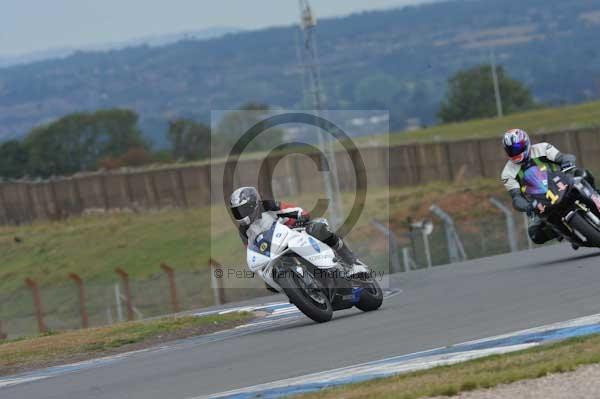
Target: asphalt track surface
x,y
443,306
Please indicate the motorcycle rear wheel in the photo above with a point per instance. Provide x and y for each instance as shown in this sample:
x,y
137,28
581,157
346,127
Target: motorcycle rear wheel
x,y
371,298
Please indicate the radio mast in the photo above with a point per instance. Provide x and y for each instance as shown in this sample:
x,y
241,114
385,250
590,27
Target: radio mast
x,y
313,95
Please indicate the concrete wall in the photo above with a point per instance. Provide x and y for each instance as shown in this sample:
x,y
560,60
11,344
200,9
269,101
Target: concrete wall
x,y
196,186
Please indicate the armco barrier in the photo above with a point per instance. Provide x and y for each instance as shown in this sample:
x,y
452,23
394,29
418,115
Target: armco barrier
x,y
185,186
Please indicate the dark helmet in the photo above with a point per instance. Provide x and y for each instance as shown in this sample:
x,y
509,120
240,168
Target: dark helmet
x,y
517,145
245,205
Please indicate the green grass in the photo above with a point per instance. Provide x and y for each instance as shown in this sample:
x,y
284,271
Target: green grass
x,y
94,246
53,348
538,121
476,374
545,120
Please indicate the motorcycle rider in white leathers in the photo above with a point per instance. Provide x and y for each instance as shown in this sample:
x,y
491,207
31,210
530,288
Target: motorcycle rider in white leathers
x,y
247,208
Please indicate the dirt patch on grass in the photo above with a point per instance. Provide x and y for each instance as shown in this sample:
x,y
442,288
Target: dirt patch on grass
x,y
464,201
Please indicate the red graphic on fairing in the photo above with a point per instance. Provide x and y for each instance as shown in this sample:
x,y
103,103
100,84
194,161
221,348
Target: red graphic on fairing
x,y
596,199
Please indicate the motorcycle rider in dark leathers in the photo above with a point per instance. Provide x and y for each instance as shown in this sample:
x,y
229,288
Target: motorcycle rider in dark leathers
x,y
247,208
524,155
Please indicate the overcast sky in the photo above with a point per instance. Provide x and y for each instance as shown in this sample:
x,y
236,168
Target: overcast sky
x,y
34,25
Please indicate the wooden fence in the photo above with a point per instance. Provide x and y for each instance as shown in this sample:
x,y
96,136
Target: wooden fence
x,y
191,186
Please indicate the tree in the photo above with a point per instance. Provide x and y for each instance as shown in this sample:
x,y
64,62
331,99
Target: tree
x,y
471,95
189,140
13,159
77,142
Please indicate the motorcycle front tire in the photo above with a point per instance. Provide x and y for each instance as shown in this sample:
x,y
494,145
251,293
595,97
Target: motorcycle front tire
x,y
585,227
302,299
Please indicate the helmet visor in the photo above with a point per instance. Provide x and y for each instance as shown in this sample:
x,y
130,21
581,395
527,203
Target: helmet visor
x,y
516,149
242,211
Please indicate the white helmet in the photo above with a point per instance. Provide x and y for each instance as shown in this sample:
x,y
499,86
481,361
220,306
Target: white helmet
x,y
517,145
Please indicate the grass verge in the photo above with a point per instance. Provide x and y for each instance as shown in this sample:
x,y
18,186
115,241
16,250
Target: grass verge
x,y
94,245
29,353
476,374
538,121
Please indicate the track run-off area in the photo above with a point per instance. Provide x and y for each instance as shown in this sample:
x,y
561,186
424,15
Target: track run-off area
x,y
425,313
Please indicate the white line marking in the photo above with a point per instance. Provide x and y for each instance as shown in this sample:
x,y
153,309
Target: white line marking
x,y
388,367
15,381
275,317
366,369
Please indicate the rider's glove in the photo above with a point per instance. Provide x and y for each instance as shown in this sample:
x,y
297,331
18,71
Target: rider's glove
x,y
302,219
567,161
567,165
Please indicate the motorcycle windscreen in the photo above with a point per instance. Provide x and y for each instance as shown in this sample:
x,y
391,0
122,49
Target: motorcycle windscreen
x,y
535,180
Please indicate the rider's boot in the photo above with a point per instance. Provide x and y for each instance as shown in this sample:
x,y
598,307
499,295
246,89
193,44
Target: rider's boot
x,y
344,252
319,228
574,246
349,258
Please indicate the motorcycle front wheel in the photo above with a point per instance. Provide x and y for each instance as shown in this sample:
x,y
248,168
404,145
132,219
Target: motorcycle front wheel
x,y
307,294
585,227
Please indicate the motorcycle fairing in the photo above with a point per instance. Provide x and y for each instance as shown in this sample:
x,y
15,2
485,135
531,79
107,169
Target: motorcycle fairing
x,y
259,249
256,260
545,185
314,251
596,200
279,239
270,240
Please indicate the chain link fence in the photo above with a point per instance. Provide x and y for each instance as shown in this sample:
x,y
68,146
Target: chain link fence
x,y
60,305
104,302
480,237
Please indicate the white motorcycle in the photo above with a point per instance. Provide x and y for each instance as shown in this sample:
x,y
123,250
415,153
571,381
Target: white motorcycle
x,y
291,261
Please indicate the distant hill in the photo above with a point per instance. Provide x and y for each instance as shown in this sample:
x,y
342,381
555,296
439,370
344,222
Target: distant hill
x,y
397,59
156,40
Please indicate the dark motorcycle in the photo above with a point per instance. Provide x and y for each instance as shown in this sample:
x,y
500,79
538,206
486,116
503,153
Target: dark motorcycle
x,y
567,201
